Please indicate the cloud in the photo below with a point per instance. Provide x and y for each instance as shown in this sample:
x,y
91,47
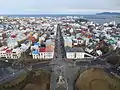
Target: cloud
x,y
116,3
95,4
31,10
92,10
57,6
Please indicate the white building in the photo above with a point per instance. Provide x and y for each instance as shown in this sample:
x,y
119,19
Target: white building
x,y
43,55
14,54
77,53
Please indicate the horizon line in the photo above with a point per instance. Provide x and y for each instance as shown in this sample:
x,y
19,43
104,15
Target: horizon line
x,y
50,14
57,13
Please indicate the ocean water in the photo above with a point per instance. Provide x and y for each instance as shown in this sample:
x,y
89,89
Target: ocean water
x,y
95,18
103,18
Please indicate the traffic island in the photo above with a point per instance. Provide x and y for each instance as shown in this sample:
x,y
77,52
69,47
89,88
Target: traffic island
x,y
97,79
33,80
40,80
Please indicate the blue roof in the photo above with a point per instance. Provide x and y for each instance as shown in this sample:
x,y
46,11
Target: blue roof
x,y
37,44
1,26
35,52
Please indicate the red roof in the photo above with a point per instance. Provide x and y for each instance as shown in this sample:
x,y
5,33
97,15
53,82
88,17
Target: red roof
x,y
5,48
13,36
31,38
89,36
8,51
42,49
49,49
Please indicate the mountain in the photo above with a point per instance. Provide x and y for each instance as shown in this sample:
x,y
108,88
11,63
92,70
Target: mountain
x,y
108,13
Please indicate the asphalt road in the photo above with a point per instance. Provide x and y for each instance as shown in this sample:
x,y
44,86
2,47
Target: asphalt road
x,y
59,65
69,71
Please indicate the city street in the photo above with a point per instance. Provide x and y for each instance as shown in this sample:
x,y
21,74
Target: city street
x,y
69,71
59,65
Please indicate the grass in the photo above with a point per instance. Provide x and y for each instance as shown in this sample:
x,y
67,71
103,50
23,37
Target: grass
x,y
39,81
15,82
34,80
97,79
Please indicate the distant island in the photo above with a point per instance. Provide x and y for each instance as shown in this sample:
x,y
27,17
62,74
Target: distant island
x,y
108,13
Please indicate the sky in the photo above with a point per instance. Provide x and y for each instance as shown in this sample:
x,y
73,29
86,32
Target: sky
x,y
58,6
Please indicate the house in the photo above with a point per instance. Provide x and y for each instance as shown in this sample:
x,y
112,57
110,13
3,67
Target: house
x,y
77,53
9,53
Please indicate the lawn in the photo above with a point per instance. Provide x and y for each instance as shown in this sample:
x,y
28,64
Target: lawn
x,y
97,79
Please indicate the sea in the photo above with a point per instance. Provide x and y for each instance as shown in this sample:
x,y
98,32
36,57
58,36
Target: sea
x,y
95,18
